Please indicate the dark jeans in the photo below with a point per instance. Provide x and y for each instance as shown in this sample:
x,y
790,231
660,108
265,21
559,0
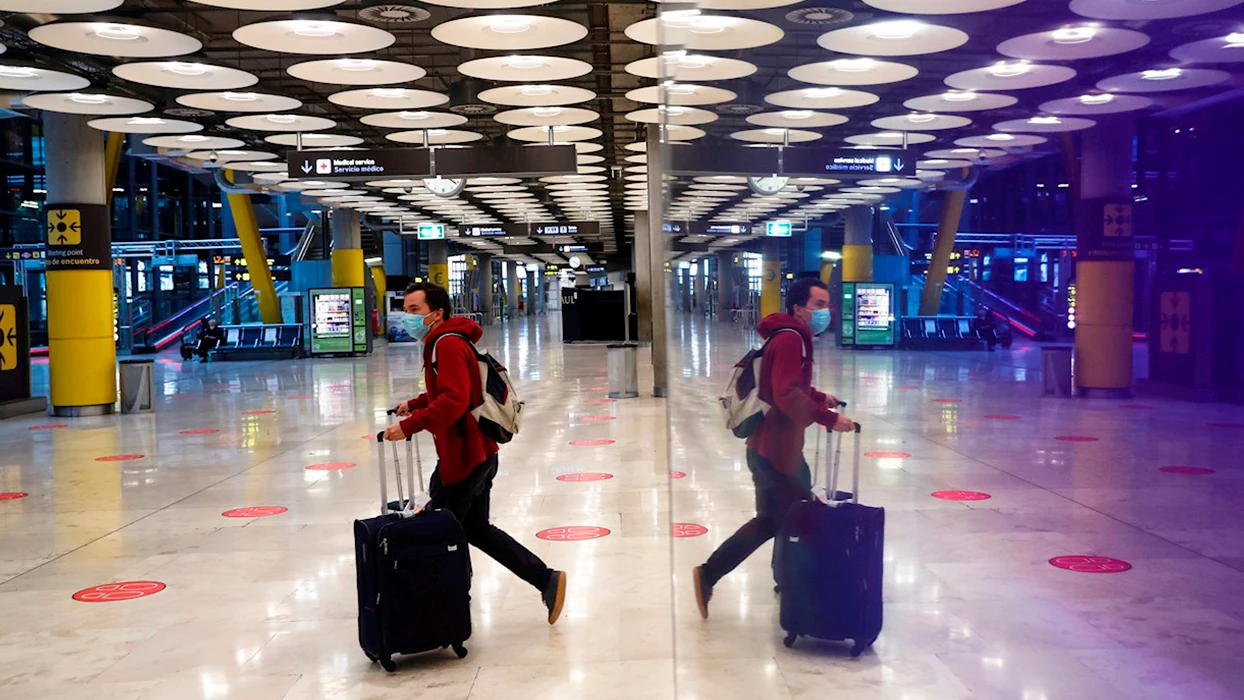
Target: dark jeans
x,y
468,500
775,494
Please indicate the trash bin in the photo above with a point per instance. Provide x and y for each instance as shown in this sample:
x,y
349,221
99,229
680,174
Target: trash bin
x,y
623,371
137,386
1056,369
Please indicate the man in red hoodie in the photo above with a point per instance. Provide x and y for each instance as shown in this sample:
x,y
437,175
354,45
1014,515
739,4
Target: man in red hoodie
x,y
775,451
466,458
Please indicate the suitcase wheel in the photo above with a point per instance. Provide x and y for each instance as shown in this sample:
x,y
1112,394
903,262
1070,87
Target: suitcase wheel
x,y
790,641
460,650
371,657
859,648
387,664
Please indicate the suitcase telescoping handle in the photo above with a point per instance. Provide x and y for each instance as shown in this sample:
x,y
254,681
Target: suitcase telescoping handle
x,y
402,499
833,464
817,458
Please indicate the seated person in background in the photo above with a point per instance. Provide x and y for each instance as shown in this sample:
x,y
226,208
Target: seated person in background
x,y
211,336
986,328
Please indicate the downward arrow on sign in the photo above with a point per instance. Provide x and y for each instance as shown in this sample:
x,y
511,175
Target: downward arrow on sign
x,y
306,166
898,164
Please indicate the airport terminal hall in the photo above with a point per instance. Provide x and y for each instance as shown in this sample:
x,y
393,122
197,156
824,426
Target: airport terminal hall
x,y
622,350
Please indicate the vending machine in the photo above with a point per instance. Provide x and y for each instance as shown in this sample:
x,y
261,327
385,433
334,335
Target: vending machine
x,y
339,322
868,318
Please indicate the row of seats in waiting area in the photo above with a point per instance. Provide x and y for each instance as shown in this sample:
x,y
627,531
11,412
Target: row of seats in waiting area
x,y
940,333
260,342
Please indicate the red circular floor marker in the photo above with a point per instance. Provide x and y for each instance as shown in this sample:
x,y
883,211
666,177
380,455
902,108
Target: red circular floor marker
x,y
254,511
681,530
961,495
1075,438
596,419
49,426
118,458
947,400
601,401
330,466
888,455
585,476
1191,471
591,443
262,412
678,475
573,533
200,431
113,592
12,495
1088,564
1226,425
598,388
1003,416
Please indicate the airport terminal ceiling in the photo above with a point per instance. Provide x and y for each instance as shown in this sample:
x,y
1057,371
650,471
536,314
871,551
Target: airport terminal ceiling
x,y
962,83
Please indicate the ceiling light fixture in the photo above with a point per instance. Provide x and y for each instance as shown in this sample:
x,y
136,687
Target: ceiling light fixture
x,y
1235,40
118,32
1073,35
682,90
194,138
239,96
546,112
1000,137
936,161
145,121
508,24
797,114
356,65
1004,69
524,62
88,99
1103,98
312,29
282,118
413,116
853,65
1045,120
710,24
188,69
896,29
536,90
959,96
388,93
17,72
921,118
1162,74
821,93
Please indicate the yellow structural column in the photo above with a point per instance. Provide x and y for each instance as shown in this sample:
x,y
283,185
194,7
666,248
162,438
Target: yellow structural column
x,y
438,264
81,348
381,283
112,161
857,249
771,279
347,258
243,211
947,229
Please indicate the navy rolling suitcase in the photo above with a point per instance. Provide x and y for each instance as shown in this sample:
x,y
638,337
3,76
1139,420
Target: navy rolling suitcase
x,y
830,568
414,575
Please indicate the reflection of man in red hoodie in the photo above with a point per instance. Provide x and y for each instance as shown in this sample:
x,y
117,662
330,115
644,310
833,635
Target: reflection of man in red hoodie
x,y
775,451
466,458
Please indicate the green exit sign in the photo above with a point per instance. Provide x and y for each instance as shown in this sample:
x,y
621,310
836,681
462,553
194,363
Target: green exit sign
x,y
431,232
779,229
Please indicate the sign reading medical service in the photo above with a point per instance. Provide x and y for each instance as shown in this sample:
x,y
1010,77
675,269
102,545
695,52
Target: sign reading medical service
x,y
402,163
79,237
791,161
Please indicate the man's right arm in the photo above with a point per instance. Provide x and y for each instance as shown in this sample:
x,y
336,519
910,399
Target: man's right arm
x,y
785,353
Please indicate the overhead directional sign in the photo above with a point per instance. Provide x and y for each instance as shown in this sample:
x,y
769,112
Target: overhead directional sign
x,y
406,163
791,161
565,228
696,228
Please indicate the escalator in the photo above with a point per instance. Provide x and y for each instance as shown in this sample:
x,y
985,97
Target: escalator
x,y
964,297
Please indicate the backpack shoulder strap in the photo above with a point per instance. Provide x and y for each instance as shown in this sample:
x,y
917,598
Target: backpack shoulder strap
x,y
446,335
803,349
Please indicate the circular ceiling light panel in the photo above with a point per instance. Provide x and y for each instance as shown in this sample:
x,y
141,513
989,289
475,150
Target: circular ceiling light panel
x,y
677,132
412,119
388,98
271,5
853,71
59,7
315,140
960,101
896,37
30,79
562,134
739,4
145,125
776,136
487,4
1148,9
525,69
685,116
696,31
940,7
579,146
821,98
588,160
281,122
537,95
942,164
564,179
797,119
229,154
1164,80
435,137
184,75
356,71
890,183
1001,141
1226,49
239,102
1097,103
1045,124
258,167
1010,75
192,142
889,138
970,154
508,32
86,103
921,121
1073,42
691,68
313,36
547,116
117,39
681,95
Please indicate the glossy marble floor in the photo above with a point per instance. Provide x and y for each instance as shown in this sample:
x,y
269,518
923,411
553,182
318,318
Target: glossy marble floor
x,y
263,607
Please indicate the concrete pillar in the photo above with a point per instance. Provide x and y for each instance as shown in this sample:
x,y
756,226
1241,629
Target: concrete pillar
x,y
705,285
347,259
533,290
484,266
857,250
640,251
656,259
81,349
771,278
511,286
725,284
438,263
1104,277
685,281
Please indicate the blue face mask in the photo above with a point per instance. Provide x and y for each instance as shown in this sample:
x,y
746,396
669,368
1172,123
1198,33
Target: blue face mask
x,y
415,327
820,321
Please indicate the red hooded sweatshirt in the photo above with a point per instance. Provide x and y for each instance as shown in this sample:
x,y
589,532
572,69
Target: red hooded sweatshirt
x,y
454,388
786,385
